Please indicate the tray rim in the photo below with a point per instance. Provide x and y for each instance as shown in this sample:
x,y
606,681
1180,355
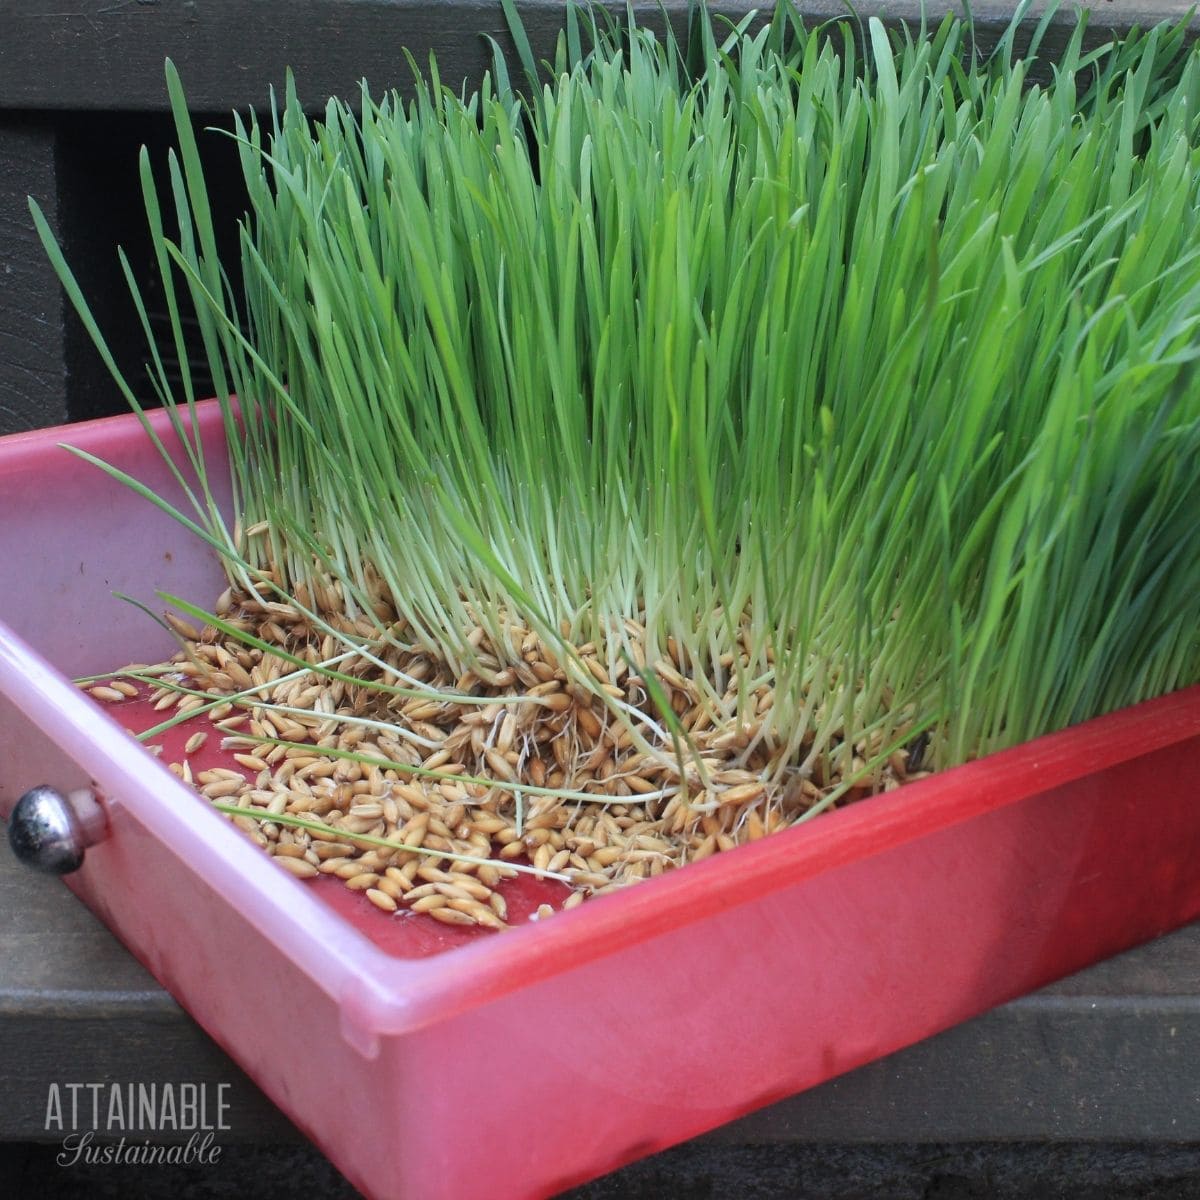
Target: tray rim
x,y
383,995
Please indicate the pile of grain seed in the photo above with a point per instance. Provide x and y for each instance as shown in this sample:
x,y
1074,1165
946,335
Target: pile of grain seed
x,y
649,815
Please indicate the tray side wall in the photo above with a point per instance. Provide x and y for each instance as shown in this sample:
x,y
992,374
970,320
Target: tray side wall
x,y
622,1057
71,536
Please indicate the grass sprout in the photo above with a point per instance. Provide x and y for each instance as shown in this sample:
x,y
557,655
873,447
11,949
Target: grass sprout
x,y
832,387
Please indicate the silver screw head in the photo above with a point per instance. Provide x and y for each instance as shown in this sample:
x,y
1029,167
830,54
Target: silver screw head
x,y
45,832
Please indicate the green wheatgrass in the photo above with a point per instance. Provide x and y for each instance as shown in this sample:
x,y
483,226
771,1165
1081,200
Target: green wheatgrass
x,y
849,364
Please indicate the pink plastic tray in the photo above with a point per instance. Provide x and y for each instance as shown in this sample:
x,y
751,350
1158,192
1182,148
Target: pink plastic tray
x,y
521,1064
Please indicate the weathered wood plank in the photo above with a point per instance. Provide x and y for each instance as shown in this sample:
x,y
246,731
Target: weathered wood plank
x,y
101,54
100,208
75,1006
32,371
